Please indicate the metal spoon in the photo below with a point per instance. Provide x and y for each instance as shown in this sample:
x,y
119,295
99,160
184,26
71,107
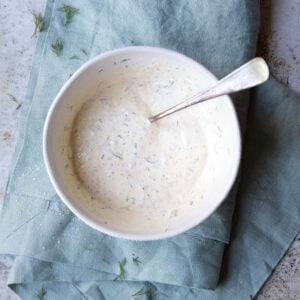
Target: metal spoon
x,y
252,73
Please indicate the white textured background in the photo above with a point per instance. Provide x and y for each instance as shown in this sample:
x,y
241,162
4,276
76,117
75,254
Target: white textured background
x,y
279,45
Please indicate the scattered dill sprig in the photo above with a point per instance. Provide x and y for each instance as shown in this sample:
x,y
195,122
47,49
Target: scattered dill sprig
x,y
40,294
121,275
14,99
57,46
69,11
136,260
83,51
38,23
148,160
143,292
74,57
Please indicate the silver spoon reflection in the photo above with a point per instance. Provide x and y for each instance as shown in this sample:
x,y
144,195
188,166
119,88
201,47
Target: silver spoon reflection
x,y
250,74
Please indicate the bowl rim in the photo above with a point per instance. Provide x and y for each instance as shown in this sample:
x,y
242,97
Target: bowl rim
x,y
73,207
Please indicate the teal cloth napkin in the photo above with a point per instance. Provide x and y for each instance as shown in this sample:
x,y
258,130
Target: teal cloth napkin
x,y
59,254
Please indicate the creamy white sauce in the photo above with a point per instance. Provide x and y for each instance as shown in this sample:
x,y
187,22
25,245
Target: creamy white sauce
x,y
127,164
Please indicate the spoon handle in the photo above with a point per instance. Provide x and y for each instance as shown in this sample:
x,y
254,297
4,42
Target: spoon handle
x,y
252,73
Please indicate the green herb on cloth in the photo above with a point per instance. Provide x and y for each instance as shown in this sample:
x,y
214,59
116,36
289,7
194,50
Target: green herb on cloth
x,y
69,11
136,260
106,261
83,51
143,292
121,275
74,57
38,23
40,294
14,99
57,46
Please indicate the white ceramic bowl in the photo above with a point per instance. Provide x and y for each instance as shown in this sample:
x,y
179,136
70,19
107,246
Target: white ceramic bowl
x,y
223,149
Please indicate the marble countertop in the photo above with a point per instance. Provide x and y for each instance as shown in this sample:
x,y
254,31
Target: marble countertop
x,y
279,44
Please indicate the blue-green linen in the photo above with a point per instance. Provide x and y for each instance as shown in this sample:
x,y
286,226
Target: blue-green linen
x,y
56,251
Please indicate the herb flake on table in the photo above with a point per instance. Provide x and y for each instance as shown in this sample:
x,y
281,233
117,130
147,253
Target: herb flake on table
x,y
57,46
14,99
38,23
117,155
69,11
143,292
121,275
40,294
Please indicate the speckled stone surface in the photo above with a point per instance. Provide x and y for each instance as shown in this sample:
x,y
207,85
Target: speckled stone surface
x,y
16,52
279,44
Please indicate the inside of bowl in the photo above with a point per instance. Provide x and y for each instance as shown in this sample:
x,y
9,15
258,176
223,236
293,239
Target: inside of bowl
x,y
187,200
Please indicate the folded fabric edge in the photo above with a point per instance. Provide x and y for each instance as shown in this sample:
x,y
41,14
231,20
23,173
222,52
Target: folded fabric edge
x,y
25,266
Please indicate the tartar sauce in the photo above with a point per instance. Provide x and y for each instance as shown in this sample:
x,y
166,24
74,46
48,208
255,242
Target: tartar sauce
x,y
127,164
